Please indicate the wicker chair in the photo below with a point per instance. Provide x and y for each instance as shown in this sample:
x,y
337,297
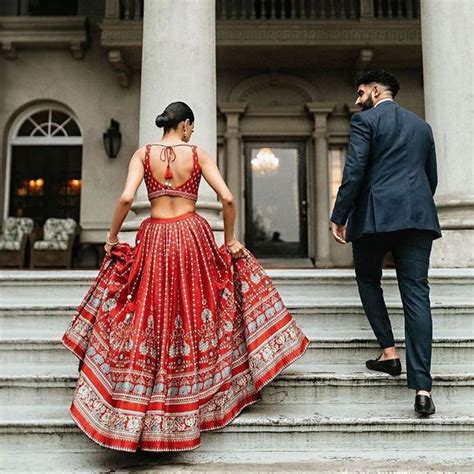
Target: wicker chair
x,y
14,240
56,247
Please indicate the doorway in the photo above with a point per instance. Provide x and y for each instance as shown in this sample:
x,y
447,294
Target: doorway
x,y
45,182
275,199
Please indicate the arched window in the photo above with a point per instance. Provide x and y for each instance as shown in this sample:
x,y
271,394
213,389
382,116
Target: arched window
x,y
51,126
44,164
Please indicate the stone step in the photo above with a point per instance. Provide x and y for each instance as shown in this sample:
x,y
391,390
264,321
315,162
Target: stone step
x,y
335,347
299,432
69,286
45,319
250,462
300,383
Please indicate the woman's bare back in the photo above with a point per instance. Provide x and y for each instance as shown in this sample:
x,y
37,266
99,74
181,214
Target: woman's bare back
x,y
181,163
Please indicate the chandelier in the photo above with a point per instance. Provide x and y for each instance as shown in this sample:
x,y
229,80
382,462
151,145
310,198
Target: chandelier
x,y
265,161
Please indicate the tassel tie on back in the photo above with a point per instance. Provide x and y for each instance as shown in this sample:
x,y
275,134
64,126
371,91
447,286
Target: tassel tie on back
x,y
168,154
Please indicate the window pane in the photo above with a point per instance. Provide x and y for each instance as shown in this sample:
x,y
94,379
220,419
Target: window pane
x,y
337,158
41,117
72,129
26,128
276,207
59,117
41,132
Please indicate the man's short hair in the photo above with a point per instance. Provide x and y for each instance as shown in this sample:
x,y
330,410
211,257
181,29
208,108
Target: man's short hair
x,y
382,77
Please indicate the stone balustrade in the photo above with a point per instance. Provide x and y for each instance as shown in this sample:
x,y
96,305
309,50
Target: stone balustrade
x,y
258,10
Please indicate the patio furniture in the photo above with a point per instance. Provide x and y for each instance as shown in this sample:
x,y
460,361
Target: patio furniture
x,y
56,247
14,241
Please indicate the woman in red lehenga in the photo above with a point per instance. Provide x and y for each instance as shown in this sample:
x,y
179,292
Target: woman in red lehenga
x,y
176,335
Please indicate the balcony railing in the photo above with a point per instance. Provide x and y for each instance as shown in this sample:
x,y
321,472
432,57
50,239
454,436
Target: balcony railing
x,y
248,10
287,9
316,9
131,9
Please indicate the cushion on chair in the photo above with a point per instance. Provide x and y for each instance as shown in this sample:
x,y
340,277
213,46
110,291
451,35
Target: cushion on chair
x,y
9,245
58,230
15,227
50,245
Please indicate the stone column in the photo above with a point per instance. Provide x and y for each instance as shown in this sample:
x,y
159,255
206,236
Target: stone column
x,y
321,112
179,63
448,67
235,166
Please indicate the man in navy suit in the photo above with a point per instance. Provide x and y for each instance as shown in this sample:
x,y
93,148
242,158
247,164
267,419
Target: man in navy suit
x,y
386,199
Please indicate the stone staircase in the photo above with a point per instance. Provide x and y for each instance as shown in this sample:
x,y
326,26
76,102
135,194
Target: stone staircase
x,y
326,410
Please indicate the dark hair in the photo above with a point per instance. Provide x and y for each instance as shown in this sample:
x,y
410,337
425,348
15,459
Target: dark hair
x,y
381,77
175,113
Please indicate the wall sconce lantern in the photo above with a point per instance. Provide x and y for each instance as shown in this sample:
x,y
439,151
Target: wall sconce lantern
x,y
112,139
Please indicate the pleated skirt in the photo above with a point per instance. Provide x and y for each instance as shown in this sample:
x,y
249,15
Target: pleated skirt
x,y
175,337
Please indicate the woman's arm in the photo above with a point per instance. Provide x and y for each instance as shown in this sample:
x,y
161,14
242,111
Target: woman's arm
x,y
124,203
213,176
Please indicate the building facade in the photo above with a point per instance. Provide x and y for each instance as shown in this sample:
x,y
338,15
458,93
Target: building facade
x,y
272,85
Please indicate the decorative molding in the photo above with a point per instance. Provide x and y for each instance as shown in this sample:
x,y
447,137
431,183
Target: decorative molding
x,y
232,111
116,33
122,69
276,112
319,33
121,33
323,108
232,107
21,32
261,82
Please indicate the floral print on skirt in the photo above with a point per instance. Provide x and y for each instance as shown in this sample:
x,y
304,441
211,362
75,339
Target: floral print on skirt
x,y
175,337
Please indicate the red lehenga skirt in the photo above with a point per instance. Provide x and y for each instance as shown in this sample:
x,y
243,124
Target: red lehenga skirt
x,y
175,337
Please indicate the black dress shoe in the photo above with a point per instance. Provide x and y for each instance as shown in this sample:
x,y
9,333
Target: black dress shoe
x,y
390,366
424,405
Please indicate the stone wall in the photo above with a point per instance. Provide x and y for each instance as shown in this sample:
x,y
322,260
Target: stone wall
x,y
90,89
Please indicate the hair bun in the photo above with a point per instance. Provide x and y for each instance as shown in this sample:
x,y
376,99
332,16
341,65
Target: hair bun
x,y
162,120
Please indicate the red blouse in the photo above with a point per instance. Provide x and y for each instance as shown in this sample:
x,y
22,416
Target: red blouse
x,y
188,190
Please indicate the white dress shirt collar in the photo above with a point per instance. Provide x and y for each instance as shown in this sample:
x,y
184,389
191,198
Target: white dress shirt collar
x,y
383,100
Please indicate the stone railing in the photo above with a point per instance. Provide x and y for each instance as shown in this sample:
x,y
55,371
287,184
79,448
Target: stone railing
x,y
316,9
396,9
23,32
248,10
124,9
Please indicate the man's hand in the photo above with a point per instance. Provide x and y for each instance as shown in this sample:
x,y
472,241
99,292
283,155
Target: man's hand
x,y
339,232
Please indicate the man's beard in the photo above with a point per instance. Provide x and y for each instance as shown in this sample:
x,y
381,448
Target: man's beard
x,y
368,103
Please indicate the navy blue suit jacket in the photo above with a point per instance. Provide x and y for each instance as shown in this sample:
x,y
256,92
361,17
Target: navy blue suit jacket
x,y
390,174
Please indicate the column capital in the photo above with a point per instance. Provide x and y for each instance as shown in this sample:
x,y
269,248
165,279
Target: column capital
x,y
320,107
228,108
232,111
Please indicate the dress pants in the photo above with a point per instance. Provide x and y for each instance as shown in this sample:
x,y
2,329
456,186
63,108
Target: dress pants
x,y
411,254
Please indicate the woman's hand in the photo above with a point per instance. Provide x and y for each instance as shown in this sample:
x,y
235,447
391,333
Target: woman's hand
x,y
236,249
109,244
108,249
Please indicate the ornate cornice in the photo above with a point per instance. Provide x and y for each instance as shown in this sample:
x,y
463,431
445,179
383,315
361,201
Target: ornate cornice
x,y
20,32
314,33
121,33
117,33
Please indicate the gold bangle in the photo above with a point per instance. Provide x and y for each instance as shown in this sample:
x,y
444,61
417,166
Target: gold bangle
x,y
108,242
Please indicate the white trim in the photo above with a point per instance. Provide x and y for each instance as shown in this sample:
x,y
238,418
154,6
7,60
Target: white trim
x,y
52,140
47,141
